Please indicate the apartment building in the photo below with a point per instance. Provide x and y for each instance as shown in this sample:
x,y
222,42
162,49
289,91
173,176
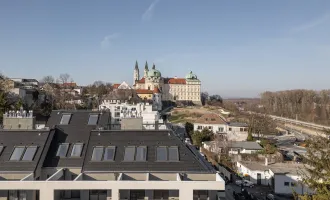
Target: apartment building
x,y
79,157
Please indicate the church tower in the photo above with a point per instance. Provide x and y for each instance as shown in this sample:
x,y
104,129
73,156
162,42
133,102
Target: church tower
x,y
136,73
146,70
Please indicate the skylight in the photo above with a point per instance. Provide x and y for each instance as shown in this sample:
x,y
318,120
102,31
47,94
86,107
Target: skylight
x,y
167,153
62,150
173,154
97,153
65,119
109,153
141,154
77,149
129,154
29,153
161,154
1,148
93,119
17,154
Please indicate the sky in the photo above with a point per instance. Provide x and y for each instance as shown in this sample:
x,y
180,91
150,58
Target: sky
x,y
236,48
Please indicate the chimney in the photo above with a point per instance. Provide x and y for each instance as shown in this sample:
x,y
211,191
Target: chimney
x,y
266,161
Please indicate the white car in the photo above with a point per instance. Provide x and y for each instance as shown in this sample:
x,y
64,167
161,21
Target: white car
x,y
245,183
187,140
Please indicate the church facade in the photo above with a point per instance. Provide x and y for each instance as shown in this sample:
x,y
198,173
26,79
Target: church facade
x,y
171,89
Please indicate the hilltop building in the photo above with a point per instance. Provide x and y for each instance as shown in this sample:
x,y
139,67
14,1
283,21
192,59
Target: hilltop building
x,y
171,89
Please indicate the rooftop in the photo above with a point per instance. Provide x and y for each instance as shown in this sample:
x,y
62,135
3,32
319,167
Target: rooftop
x,y
276,168
210,118
239,144
238,124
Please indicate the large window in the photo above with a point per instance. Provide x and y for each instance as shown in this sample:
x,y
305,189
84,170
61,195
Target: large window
x,y
133,153
93,119
65,119
101,153
17,195
167,154
77,149
29,153
17,154
62,150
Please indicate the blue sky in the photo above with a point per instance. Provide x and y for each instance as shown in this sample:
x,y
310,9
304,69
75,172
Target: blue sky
x,y
237,48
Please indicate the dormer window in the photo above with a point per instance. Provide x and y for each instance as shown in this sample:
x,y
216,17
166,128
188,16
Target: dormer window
x,y
93,119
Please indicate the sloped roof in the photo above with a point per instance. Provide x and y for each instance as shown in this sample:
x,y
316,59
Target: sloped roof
x,y
175,81
116,85
210,118
144,91
142,80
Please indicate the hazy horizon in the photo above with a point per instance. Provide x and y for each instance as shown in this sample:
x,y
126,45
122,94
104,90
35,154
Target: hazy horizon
x,y
236,48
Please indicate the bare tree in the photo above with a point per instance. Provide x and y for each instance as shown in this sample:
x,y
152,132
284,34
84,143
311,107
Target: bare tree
x,y
64,78
47,79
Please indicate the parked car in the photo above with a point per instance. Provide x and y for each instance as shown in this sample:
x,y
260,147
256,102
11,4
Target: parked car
x,y
245,183
188,141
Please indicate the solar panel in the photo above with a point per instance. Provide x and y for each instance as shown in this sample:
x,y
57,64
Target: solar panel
x,y
129,154
109,153
17,154
97,154
29,153
161,154
141,154
62,150
173,154
93,119
77,149
65,119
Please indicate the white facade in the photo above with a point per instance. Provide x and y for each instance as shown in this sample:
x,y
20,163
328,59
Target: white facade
x,y
173,89
215,128
124,110
118,187
282,177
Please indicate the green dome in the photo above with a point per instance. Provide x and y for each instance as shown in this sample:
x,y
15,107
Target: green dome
x,y
191,76
154,73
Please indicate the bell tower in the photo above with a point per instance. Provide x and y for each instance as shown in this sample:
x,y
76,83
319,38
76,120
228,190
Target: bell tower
x,y
136,75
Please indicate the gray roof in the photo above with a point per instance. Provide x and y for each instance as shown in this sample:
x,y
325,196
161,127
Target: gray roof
x,y
11,139
77,131
152,139
238,144
277,168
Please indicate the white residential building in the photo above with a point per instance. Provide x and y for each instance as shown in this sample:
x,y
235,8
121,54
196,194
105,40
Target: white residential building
x,y
212,122
284,178
235,147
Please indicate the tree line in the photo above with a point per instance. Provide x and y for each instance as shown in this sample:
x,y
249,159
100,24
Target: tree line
x,y
306,105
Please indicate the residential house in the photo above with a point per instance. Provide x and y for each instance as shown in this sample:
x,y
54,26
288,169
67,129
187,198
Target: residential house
x,y
283,178
79,158
211,121
237,131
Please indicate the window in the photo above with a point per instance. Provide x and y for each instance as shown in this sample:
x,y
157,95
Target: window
x,y
97,153
229,129
141,154
117,114
17,154
161,154
65,119
93,119
293,184
29,153
109,153
173,154
212,119
129,154
220,129
1,149
241,129
17,195
77,149
62,150
210,127
286,183
199,127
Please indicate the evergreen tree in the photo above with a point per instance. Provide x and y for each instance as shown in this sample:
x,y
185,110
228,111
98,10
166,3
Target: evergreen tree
x,y
317,160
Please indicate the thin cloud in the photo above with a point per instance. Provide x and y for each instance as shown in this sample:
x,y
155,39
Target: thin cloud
x,y
107,40
311,24
147,15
